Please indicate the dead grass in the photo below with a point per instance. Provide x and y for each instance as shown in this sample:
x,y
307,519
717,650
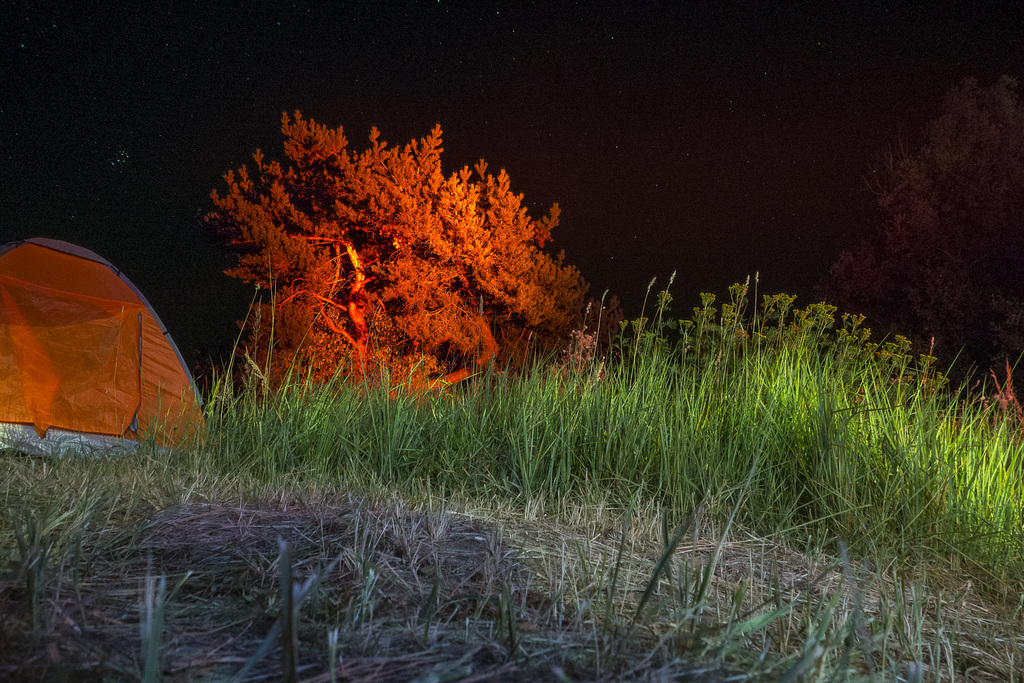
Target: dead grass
x,y
431,596
470,595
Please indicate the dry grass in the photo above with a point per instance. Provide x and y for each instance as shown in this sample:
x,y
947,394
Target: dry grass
x,y
471,594
434,596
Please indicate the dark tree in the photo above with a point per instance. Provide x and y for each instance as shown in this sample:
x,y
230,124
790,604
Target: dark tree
x,y
948,260
377,256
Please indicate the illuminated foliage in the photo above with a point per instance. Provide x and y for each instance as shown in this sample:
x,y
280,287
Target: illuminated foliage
x,y
947,261
449,266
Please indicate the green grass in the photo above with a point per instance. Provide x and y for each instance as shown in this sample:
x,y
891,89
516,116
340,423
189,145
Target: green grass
x,y
852,441
750,490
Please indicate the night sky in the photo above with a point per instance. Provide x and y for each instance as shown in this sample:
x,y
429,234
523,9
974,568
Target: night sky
x,y
674,135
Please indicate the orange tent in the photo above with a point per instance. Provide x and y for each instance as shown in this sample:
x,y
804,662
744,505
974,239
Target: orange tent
x,y
85,363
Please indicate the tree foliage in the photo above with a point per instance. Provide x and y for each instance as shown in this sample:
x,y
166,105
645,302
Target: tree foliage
x,y
946,263
377,255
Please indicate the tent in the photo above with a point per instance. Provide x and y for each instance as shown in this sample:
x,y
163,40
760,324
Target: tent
x,y
85,363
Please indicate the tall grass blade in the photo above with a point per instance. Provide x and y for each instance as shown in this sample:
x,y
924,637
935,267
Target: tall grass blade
x,y
663,567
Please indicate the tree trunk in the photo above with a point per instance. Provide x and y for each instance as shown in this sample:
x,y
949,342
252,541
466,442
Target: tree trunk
x,y
486,351
357,300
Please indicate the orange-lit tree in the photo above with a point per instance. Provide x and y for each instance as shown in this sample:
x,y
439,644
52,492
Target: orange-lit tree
x,y
379,255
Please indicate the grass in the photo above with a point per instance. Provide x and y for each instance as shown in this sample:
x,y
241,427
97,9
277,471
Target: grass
x,y
750,494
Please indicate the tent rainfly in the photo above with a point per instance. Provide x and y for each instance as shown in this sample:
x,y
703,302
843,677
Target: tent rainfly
x,y
85,363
